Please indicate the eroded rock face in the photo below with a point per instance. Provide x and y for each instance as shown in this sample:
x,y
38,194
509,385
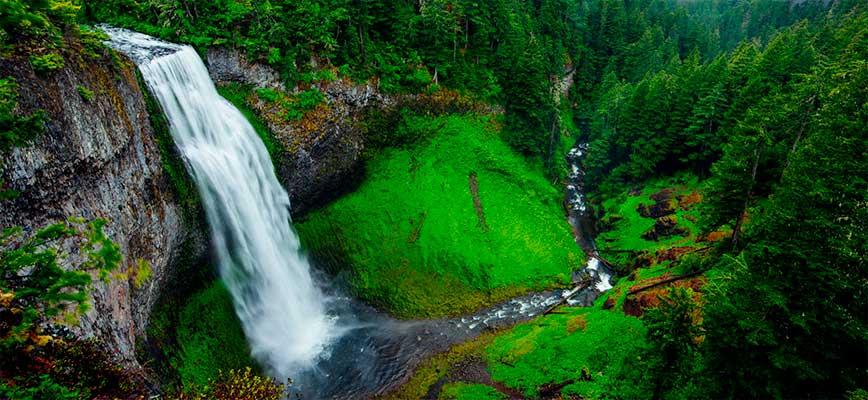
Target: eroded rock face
x,y
322,153
227,65
99,159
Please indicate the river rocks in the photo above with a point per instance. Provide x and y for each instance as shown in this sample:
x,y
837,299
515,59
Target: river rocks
x,y
98,159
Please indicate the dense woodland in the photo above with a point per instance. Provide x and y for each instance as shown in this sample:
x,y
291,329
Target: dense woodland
x,y
765,101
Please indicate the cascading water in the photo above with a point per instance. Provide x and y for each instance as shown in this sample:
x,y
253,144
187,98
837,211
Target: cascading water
x,y
285,315
579,218
282,311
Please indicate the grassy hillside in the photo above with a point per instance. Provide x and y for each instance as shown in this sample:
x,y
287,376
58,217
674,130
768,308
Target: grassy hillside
x,y
447,224
585,352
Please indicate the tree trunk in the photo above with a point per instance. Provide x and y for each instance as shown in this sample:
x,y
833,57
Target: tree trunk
x,y
736,231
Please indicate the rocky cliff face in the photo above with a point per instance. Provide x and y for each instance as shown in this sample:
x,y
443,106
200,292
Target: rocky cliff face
x,y
98,159
322,153
229,65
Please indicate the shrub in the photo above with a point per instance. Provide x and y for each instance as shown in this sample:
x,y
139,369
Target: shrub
x,y
34,286
85,93
237,385
47,63
268,94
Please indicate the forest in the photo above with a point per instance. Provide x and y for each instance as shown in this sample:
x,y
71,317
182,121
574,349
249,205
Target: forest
x,y
723,178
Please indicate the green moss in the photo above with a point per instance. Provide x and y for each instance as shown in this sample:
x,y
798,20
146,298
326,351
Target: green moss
x,y
173,164
627,225
447,225
294,105
237,95
466,391
210,337
585,348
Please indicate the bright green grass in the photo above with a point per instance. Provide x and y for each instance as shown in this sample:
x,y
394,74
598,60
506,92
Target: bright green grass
x,y
626,232
588,348
467,391
210,337
237,95
413,239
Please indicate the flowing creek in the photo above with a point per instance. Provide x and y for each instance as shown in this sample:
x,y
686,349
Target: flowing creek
x,y
297,325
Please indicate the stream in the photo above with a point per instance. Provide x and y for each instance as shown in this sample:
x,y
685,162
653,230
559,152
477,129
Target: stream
x,y
332,345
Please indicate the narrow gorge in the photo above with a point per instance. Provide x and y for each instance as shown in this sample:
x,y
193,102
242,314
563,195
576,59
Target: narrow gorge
x,y
445,200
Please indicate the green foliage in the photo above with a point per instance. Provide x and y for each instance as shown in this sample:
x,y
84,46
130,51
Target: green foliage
x,y
142,273
789,317
39,20
586,349
208,322
47,63
15,129
447,223
30,272
47,389
35,291
85,93
236,384
92,42
623,225
673,341
464,391
294,106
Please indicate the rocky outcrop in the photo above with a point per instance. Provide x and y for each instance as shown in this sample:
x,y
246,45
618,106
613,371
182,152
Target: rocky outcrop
x,y
98,159
226,64
321,153
664,227
664,204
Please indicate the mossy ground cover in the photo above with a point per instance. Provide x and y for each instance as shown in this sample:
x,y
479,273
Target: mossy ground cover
x,y
625,225
583,350
200,336
447,224
586,352
592,352
470,391
210,337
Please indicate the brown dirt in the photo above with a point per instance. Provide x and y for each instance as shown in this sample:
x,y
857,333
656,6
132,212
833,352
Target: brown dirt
x,y
579,322
477,202
636,304
672,253
687,201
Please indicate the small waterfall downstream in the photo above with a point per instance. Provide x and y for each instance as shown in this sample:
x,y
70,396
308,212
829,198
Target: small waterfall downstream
x,y
282,311
580,218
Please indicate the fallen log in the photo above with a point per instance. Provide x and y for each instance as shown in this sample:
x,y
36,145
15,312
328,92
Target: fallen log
x,y
564,298
606,262
664,281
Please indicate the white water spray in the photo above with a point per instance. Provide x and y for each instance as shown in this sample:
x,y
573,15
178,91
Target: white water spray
x,y
280,307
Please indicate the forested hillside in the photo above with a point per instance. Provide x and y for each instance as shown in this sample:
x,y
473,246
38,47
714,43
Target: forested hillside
x,y
723,155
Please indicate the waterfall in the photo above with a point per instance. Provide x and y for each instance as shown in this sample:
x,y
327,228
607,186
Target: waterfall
x,y
281,309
